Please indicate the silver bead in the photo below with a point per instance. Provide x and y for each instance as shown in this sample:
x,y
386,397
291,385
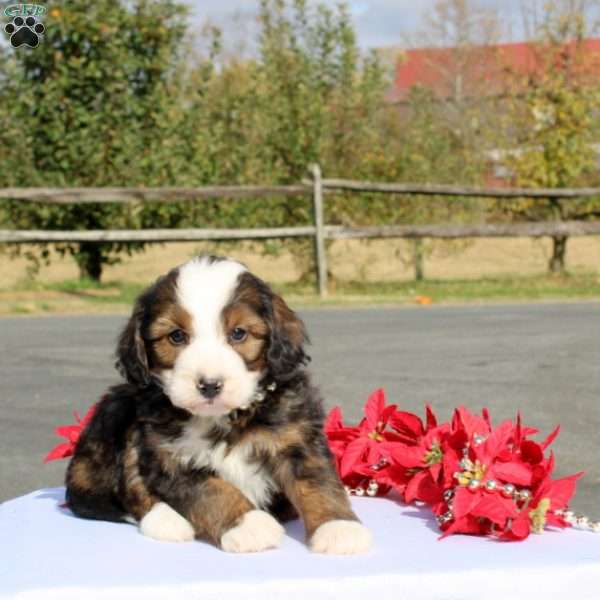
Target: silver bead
x,y
525,495
465,464
508,490
373,485
448,495
445,518
371,492
491,485
348,490
359,491
569,516
583,522
272,387
474,484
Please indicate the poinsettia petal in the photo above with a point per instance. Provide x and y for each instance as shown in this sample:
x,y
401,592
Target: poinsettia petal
x,y
532,452
562,490
430,492
412,489
451,466
495,508
550,439
67,431
389,477
354,454
408,456
519,529
430,417
470,423
374,408
513,472
464,501
59,451
485,413
467,525
495,442
334,420
435,471
407,423
375,452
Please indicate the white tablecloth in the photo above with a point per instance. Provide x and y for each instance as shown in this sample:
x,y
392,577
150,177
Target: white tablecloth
x,y
45,552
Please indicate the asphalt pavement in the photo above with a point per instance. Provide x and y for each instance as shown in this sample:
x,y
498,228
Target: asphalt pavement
x,y
542,360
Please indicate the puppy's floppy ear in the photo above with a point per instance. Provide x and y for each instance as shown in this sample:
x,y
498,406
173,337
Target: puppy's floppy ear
x,y
285,353
132,360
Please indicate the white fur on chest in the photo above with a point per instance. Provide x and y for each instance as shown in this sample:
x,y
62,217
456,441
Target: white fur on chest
x,y
193,449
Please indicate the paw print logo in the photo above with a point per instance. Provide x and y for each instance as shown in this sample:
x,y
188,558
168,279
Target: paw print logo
x,y
24,32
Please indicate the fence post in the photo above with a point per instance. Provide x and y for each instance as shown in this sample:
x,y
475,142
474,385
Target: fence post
x,y
418,259
320,252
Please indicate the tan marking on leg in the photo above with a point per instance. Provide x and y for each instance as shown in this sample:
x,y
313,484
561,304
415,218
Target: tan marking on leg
x,y
138,499
217,507
80,474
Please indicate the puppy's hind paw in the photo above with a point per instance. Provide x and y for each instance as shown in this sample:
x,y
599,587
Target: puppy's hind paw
x,y
257,531
166,525
341,537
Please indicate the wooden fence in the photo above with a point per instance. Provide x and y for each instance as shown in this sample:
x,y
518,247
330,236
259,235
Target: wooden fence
x,y
318,187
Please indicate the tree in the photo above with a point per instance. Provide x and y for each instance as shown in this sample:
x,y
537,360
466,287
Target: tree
x,y
94,107
306,96
554,109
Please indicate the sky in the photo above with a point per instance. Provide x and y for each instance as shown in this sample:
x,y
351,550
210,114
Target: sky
x,y
379,23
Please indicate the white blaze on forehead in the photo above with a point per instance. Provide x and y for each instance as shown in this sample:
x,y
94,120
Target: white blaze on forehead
x,y
204,288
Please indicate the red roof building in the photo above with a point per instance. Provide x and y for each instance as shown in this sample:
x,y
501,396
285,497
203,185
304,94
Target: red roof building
x,y
472,71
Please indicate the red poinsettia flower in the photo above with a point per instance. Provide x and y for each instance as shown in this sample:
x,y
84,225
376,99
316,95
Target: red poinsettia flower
x,y
550,497
367,446
423,462
71,433
359,449
478,479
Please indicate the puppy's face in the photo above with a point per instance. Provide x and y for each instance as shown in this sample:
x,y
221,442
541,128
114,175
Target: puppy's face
x,y
209,332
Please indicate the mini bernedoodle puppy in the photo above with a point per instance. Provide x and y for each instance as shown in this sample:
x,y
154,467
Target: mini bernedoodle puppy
x,y
217,434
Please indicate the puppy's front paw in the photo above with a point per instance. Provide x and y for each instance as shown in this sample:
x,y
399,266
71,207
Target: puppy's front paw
x,y
166,525
341,537
257,531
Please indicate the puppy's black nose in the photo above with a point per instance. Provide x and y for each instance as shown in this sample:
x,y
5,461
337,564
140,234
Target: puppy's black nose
x,y
210,388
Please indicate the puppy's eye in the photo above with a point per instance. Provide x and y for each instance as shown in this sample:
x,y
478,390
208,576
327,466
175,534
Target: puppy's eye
x,y
178,337
238,335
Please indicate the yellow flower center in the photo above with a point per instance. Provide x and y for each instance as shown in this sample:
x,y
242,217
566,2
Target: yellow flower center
x,y
474,470
434,456
538,515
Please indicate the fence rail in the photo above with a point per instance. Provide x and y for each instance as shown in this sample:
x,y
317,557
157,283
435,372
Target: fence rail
x,y
416,189
152,235
330,232
164,194
321,232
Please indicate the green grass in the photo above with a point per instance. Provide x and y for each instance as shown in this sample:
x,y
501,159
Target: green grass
x,y
89,296
488,289
107,293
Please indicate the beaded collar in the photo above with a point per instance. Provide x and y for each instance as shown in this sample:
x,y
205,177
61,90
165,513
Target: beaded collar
x,y
257,398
